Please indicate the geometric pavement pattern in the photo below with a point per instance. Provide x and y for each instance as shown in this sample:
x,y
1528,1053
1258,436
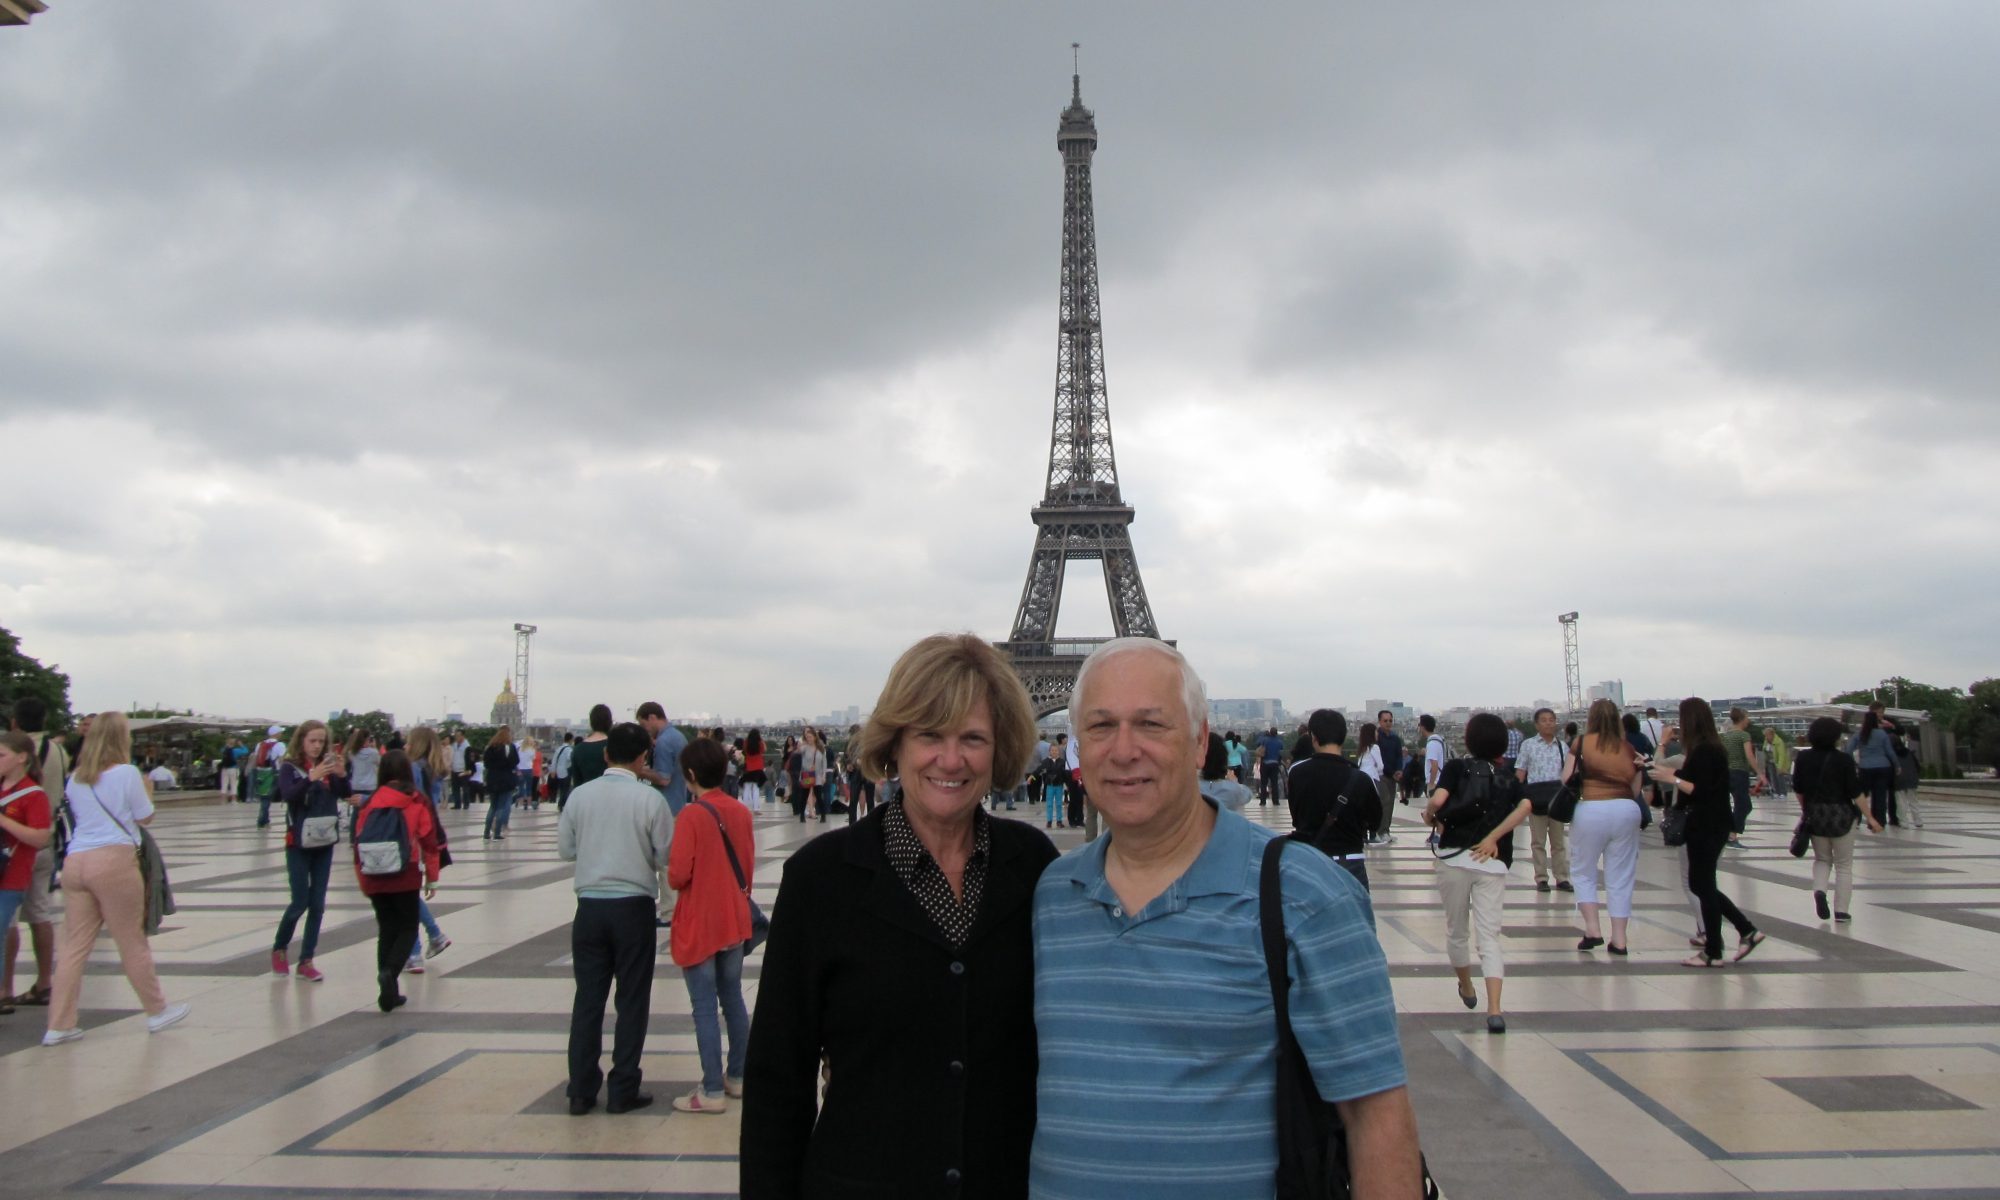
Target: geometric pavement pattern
x,y
1855,1060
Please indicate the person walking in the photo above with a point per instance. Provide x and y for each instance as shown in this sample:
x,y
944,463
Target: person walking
x,y
1368,757
1739,745
616,830
25,819
529,774
312,782
38,909
710,865
754,775
1271,767
1828,786
1778,761
1703,784
1874,752
1475,851
108,802
1391,744
1052,775
1332,804
1541,767
502,761
430,763
1606,826
559,769
364,760
230,775
396,864
264,772
1909,777
812,768
1239,759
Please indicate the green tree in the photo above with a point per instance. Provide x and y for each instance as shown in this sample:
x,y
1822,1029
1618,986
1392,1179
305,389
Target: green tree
x,y
1944,704
21,675
374,721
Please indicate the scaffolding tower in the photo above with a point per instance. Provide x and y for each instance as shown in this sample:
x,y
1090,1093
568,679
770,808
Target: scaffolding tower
x,y
1572,666
523,636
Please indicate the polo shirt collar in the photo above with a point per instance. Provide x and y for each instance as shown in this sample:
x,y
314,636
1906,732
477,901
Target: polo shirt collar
x,y
1221,869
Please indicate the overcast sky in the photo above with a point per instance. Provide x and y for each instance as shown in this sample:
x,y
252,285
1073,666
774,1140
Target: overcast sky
x,y
719,340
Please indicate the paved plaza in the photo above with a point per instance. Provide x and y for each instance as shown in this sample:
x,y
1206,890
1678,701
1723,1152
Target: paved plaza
x,y
1855,1060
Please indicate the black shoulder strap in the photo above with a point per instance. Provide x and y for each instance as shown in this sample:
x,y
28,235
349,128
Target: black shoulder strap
x,y
1298,1101
728,848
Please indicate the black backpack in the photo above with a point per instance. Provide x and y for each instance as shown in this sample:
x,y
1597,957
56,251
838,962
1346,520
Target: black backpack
x,y
1469,813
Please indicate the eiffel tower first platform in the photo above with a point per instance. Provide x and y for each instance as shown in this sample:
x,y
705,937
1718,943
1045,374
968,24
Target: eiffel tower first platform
x,y
1082,515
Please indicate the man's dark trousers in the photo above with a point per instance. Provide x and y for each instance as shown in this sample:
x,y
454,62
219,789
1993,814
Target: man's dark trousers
x,y
610,939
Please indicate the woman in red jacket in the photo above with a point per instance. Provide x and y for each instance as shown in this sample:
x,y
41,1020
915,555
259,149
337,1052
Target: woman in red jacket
x,y
712,920
395,856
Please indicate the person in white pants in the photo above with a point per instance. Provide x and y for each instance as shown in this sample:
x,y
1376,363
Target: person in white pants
x,y
1606,826
1828,786
1474,856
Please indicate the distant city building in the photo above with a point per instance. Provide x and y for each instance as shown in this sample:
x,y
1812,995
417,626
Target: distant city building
x,y
1611,689
1402,713
1245,714
506,706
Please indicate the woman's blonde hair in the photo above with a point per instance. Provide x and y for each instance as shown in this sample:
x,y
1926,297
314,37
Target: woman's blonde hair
x,y
934,685
296,752
1604,727
429,749
108,744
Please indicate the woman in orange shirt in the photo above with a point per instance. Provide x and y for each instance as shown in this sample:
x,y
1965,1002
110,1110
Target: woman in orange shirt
x,y
709,868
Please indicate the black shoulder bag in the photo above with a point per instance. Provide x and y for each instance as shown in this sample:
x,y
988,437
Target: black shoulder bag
x,y
1312,1143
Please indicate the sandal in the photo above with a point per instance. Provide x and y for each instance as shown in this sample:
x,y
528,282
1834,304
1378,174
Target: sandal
x,y
1701,960
1744,947
33,998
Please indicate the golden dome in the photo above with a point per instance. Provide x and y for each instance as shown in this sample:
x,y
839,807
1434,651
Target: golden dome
x,y
506,695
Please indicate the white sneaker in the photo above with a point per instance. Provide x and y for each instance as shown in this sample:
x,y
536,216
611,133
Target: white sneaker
x,y
56,1037
698,1101
174,1015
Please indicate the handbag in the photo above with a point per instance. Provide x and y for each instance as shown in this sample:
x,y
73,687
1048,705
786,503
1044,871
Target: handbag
x,y
1674,824
760,924
1312,1143
1801,839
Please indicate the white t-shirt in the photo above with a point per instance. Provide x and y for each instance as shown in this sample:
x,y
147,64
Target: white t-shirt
x,y
1070,758
119,793
1433,757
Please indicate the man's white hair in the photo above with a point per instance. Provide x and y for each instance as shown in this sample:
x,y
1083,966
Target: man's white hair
x,y
1194,694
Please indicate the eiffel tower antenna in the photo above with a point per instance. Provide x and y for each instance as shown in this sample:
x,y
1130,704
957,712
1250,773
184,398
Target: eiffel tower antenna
x,y
1082,514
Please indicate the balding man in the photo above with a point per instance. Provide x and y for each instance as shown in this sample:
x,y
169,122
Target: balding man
x,y
1153,1012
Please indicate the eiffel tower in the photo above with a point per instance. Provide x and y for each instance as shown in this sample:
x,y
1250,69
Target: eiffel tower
x,y
1082,515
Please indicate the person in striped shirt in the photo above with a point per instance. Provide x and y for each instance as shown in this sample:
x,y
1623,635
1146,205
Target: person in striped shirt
x,y
1156,1034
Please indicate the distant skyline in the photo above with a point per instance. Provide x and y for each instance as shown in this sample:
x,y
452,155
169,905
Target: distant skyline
x,y
720,344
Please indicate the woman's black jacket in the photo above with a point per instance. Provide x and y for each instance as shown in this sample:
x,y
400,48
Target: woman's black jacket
x,y
931,1051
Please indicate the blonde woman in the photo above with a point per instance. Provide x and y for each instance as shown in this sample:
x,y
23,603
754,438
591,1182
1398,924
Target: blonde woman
x,y
312,781
531,771
430,766
108,801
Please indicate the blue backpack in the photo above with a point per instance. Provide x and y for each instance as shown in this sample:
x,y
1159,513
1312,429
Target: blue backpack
x,y
382,843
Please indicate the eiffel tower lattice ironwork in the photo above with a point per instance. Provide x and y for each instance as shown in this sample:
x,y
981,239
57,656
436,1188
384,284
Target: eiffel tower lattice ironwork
x,y
1082,515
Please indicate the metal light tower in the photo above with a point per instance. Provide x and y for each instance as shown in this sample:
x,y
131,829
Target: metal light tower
x,y
523,635
1572,668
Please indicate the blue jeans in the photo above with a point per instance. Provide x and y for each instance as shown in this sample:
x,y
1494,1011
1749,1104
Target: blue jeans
x,y
1739,799
307,871
713,979
10,901
499,809
1053,796
430,925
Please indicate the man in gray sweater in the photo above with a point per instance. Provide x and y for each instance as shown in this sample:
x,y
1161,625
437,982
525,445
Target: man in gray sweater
x,y
616,830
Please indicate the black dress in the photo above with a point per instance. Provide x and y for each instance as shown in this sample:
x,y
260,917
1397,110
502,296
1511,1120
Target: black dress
x,y
930,1049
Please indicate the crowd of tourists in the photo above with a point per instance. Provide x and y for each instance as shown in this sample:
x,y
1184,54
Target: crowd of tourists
x,y
930,958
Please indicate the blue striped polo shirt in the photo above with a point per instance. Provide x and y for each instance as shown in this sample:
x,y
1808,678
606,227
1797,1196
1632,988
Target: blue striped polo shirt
x,y
1159,1049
